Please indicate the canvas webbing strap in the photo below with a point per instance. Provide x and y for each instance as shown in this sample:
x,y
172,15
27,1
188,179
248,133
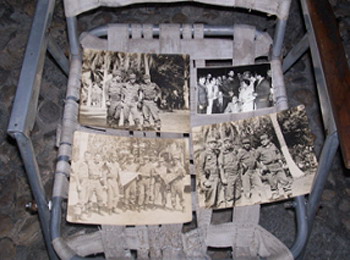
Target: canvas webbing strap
x,y
118,35
114,242
65,252
198,34
169,38
247,239
244,45
86,244
273,7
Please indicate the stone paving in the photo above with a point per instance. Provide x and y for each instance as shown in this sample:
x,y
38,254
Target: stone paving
x,y
20,235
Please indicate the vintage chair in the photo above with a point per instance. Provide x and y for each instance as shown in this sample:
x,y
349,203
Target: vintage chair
x,y
240,43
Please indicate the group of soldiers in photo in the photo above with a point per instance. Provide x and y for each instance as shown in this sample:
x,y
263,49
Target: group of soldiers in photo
x,y
131,102
234,92
110,183
231,171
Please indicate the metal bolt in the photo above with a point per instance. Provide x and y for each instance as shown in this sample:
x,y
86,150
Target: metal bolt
x,y
32,207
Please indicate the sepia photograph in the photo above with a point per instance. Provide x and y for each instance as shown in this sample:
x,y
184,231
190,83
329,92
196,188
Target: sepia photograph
x,y
253,161
135,91
129,181
225,90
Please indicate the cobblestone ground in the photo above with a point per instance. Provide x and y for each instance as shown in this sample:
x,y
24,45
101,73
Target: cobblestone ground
x,y
20,235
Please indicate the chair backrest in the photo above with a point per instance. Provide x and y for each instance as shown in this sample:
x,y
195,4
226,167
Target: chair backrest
x,y
280,8
245,45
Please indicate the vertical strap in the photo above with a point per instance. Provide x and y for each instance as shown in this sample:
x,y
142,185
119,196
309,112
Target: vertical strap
x,y
194,241
147,31
243,44
169,38
198,33
155,239
137,238
136,31
194,245
246,219
247,214
186,31
114,242
173,248
118,37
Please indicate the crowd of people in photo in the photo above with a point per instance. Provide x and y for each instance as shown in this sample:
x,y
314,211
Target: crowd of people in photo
x,y
233,93
231,171
108,183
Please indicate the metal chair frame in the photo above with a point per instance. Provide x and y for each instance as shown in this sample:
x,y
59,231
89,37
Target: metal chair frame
x,y
25,104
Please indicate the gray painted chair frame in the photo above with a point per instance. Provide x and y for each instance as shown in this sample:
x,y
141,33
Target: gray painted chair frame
x,y
25,108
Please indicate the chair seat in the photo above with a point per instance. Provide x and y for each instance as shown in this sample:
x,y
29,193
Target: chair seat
x,y
169,241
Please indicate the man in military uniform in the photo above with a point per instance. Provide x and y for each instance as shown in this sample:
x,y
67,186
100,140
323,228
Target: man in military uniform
x,y
80,175
131,167
96,95
251,178
270,159
150,94
130,99
176,184
160,195
144,182
113,98
230,172
96,184
210,169
113,182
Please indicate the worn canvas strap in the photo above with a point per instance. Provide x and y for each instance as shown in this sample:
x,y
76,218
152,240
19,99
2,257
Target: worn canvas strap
x,y
247,239
272,7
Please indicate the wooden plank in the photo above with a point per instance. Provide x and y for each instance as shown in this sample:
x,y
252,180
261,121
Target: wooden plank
x,y
335,68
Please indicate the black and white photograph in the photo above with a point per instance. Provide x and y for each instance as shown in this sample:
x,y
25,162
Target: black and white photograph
x,y
135,91
226,90
253,161
129,181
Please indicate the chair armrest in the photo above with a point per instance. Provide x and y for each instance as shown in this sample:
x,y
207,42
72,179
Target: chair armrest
x,y
25,104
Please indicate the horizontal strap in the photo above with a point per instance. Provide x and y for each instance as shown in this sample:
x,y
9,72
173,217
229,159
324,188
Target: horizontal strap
x,y
271,7
72,98
86,244
61,185
63,173
65,143
63,158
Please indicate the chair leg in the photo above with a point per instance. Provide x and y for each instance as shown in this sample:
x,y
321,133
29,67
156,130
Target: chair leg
x,y
27,152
